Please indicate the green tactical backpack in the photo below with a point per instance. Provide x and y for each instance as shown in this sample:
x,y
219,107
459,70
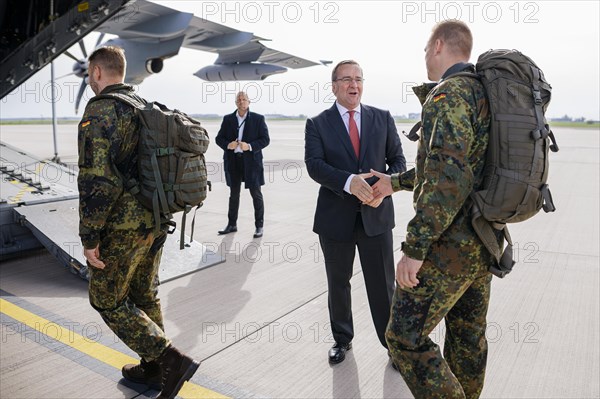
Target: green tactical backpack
x,y
514,185
516,168
172,173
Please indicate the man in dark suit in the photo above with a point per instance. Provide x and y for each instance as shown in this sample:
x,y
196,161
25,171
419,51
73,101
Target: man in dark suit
x,y
342,144
242,136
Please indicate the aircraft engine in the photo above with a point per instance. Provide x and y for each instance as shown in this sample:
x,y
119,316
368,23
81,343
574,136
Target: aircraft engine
x,y
154,65
244,71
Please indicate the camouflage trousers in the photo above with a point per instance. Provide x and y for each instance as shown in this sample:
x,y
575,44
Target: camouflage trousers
x,y
463,302
125,292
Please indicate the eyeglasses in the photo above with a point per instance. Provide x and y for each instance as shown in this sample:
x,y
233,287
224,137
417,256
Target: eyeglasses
x,y
348,80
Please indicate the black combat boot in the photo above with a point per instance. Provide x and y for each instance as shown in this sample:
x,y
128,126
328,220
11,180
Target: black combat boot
x,y
177,368
148,373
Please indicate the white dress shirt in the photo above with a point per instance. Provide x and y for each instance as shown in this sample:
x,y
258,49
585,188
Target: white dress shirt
x,y
241,123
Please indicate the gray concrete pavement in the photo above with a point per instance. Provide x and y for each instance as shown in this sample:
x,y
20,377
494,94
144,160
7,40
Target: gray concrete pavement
x,y
259,320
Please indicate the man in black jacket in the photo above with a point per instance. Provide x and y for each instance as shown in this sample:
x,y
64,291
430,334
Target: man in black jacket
x,y
242,136
342,144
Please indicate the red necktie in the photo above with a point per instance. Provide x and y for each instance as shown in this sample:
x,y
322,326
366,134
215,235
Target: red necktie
x,y
354,134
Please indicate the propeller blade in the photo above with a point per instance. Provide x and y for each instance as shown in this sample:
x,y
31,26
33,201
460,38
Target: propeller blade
x,y
82,46
79,95
99,39
71,56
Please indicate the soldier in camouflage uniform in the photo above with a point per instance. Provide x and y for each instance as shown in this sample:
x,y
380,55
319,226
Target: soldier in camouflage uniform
x,y
116,230
443,272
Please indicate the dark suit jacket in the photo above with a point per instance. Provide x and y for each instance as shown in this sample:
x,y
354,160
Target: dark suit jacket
x,y
256,134
330,159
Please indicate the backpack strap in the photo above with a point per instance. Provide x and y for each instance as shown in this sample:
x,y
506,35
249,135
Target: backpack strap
x,y
553,146
506,263
541,133
413,135
485,231
188,208
548,202
465,74
136,102
159,198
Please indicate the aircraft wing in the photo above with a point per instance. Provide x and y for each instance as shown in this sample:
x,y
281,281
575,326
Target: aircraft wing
x,y
148,32
153,32
234,46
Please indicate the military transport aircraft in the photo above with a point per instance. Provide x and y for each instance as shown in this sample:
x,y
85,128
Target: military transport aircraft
x,y
148,32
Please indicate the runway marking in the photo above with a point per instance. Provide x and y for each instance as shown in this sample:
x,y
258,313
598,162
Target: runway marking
x,y
93,349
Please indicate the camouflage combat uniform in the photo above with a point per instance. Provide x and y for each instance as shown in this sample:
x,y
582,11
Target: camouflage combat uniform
x,y
454,279
125,292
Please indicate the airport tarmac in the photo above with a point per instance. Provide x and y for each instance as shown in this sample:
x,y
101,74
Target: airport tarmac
x,y
259,321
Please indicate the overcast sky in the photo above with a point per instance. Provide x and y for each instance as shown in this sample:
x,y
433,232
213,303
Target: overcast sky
x,y
386,37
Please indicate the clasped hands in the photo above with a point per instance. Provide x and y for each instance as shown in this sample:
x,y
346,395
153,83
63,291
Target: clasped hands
x,y
242,144
407,268
371,195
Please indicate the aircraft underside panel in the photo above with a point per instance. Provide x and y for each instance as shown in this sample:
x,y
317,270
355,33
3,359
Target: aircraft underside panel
x,y
49,38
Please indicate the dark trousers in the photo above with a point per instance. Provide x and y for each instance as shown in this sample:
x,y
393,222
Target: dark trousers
x,y
237,177
377,261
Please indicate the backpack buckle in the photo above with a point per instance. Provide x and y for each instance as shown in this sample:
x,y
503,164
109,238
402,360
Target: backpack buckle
x,y
160,152
539,134
537,97
171,226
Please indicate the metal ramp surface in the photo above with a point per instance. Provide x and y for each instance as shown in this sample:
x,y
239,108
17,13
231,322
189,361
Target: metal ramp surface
x,y
55,225
27,180
41,196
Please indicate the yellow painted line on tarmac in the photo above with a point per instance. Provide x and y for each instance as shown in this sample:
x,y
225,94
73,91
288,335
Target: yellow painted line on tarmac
x,y
91,348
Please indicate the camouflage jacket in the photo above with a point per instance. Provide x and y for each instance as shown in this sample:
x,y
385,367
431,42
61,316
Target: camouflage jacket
x,y
449,165
108,139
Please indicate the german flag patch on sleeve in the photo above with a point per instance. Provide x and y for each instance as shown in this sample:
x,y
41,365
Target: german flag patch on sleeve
x,y
85,124
439,97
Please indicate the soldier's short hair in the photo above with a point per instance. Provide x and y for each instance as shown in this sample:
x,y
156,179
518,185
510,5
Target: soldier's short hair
x,y
455,34
345,62
111,59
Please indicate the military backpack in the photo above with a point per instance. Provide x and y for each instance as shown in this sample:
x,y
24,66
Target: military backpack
x,y
514,186
172,173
